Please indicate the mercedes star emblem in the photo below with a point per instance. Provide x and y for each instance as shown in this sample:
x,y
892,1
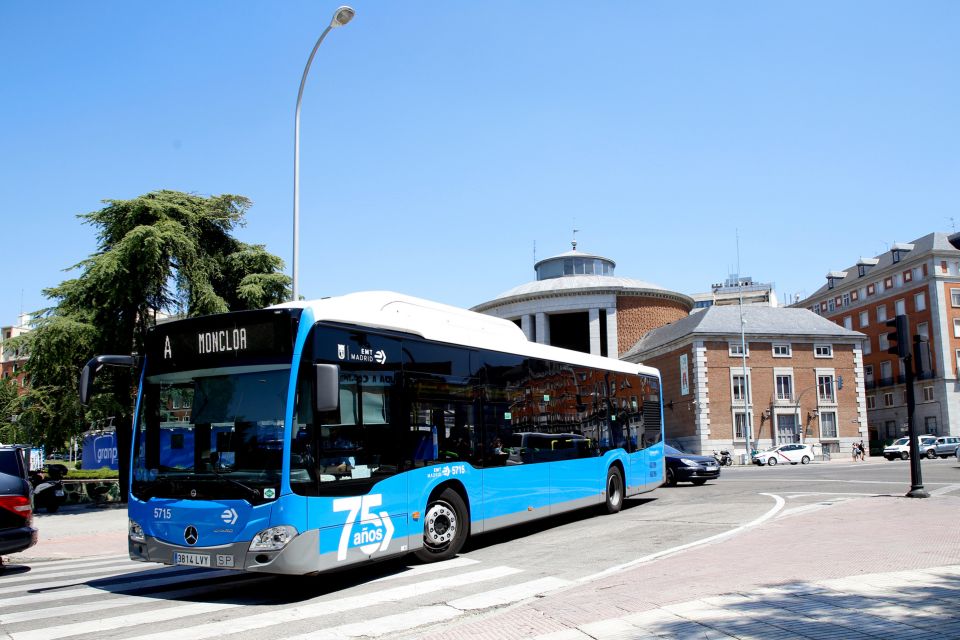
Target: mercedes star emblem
x,y
190,535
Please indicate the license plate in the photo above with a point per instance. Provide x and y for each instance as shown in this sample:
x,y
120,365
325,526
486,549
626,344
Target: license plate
x,y
191,559
224,561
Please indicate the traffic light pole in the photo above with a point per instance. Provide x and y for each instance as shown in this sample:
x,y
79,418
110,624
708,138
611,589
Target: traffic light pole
x,y
916,479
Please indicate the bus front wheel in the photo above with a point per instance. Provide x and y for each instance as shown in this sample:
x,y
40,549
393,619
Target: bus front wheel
x,y
445,527
614,499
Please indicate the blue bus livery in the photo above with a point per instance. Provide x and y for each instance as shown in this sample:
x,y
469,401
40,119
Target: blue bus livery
x,y
313,435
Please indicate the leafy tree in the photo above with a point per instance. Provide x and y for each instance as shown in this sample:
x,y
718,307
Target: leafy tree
x,y
163,252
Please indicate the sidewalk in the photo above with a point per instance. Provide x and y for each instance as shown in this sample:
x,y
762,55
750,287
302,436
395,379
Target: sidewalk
x,y
867,567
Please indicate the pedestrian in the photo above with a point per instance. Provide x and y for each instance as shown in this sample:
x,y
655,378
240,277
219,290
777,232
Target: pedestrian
x,y
855,451
863,452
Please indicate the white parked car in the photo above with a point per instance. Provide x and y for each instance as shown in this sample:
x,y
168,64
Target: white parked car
x,y
900,449
792,453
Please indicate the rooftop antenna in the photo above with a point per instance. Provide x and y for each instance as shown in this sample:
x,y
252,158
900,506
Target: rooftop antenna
x,y
953,224
574,242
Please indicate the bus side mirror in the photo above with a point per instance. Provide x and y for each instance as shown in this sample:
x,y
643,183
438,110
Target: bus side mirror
x,y
89,372
327,392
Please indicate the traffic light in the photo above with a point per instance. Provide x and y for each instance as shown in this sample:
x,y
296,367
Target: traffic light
x,y
899,339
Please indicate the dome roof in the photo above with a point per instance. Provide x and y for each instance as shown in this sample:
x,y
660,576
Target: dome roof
x,y
582,284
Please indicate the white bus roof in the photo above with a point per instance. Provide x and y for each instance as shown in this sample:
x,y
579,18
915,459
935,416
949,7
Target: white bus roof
x,y
444,323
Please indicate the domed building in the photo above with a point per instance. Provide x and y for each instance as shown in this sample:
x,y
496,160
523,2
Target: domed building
x,y
578,303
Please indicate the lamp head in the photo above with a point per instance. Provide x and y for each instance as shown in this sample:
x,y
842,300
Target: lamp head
x,y
342,16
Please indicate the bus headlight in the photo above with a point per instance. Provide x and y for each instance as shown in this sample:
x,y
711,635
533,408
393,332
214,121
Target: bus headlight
x,y
273,539
136,531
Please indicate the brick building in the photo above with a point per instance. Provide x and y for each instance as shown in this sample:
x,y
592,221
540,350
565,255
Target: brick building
x,y
803,382
12,361
921,280
578,303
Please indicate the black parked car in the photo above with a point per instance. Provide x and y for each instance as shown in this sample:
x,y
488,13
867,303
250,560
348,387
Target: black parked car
x,y
688,467
16,502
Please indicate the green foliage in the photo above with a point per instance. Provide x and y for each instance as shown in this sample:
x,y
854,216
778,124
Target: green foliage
x,y
166,252
91,474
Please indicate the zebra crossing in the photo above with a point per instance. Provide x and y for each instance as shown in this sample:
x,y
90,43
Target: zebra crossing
x,y
112,597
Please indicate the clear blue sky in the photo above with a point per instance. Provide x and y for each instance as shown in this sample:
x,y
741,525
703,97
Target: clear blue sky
x,y
443,141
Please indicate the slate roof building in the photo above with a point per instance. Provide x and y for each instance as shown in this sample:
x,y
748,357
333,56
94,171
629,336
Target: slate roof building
x,y
577,302
792,376
918,279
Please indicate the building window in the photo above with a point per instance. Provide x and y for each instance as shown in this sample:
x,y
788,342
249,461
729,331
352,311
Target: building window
x,y
871,402
861,270
736,349
831,306
864,318
930,425
868,373
891,428
828,424
739,425
887,284
854,295
872,289
896,255
740,391
784,387
884,341
907,276
886,373
882,313
888,399
923,329
956,327
848,323
823,350
781,351
928,394
868,346
846,299
958,359
900,308
825,388
955,297
920,302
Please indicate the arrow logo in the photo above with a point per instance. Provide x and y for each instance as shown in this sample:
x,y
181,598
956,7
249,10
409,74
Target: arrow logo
x,y
229,516
380,356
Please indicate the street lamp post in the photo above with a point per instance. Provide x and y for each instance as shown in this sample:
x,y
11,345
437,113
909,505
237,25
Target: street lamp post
x,y
341,16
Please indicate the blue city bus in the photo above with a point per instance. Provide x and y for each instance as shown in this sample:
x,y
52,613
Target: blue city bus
x,y
318,434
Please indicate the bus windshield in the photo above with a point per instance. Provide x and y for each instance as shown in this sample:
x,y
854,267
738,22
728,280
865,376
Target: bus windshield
x,y
211,434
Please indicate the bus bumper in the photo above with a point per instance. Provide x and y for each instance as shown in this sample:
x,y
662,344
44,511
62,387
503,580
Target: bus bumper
x,y
293,559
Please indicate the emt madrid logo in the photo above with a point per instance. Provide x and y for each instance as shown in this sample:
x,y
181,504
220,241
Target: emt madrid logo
x,y
363,354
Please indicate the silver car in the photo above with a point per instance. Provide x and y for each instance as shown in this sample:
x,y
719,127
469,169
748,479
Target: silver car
x,y
946,446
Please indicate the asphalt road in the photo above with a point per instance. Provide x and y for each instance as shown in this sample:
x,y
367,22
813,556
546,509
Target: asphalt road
x,y
43,597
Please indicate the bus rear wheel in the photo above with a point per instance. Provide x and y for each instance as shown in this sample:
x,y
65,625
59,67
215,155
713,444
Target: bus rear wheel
x,y
614,485
445,527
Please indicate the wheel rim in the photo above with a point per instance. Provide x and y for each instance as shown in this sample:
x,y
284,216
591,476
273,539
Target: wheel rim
x,y
614,489
439,526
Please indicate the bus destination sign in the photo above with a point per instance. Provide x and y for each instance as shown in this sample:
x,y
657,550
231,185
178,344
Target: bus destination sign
x,y
229,339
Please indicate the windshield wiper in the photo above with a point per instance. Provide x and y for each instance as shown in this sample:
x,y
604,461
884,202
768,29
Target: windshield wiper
x,y
254,492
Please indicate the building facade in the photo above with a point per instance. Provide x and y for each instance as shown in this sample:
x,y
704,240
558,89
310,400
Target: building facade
x,y
577,302
789,376
737,290
12,360
921,280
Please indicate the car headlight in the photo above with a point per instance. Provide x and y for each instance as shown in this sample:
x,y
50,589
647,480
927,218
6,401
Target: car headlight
x,y
136,531
689,462
273,539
